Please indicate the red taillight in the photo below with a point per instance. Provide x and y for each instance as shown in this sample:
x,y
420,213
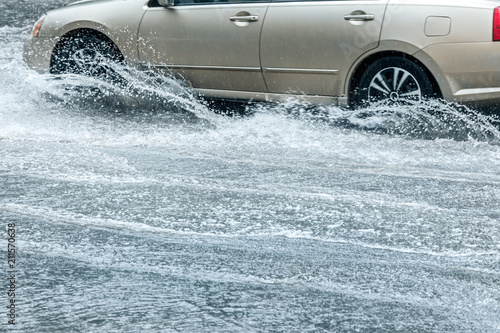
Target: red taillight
x,y
496,25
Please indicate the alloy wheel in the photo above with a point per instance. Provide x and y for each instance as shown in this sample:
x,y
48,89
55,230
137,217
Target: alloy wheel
x,y
394,85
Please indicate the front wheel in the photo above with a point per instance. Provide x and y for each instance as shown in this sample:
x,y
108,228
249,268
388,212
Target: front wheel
x,y
86,56
393,81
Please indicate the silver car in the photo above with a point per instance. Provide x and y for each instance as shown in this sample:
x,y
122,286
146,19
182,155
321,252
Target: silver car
x,y
350,53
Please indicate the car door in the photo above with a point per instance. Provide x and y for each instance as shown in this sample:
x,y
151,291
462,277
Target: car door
x,y
308,47
211,43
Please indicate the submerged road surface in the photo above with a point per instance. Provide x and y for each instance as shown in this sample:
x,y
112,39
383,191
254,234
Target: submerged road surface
x,y
143,210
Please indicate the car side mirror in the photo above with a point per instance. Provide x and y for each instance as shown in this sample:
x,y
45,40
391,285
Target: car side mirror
x,y
166,3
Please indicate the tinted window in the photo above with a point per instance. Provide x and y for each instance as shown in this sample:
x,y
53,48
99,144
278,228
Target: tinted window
x,y
200,2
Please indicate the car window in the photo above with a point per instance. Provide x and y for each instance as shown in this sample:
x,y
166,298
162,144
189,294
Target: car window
x,y
154,3
200,2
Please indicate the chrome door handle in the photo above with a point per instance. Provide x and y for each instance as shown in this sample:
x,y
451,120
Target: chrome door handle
x,y
249,18
359,17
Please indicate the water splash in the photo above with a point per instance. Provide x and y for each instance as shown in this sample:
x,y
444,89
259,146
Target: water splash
x,y
430,120
166,99
137,92
153,97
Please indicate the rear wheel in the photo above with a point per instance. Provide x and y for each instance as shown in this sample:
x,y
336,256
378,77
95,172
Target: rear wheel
x,y
393,81
87,55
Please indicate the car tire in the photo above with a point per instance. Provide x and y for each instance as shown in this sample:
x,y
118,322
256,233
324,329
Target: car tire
x,y
89,56
393,81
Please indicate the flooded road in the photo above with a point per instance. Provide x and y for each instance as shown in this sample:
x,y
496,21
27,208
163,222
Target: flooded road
x,y
144,210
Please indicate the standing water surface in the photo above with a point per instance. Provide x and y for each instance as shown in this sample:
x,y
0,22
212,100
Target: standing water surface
x,y
144,210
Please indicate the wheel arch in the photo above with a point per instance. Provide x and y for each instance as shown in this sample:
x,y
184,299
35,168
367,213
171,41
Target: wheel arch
x,y
361,67
82,32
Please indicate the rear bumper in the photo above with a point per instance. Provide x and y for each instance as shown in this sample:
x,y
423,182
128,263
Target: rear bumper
x,y
466,72
38,52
